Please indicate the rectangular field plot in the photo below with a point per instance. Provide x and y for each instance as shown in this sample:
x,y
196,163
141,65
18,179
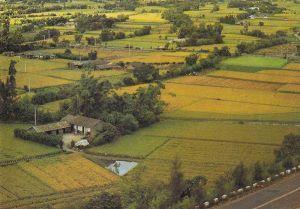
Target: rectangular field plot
x,y
290,88
32,65
225,82
209,159
76,75
292,117
292,66
235,107
235,95
53,174
221,131
256,77
250,61
13,148
130,145
281,72
18,183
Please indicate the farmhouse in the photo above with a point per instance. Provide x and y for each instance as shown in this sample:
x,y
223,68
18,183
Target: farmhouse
x,y
76,124
82,124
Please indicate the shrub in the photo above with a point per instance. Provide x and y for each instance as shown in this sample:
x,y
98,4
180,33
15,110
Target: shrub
x,y
50,140
106,134
128,81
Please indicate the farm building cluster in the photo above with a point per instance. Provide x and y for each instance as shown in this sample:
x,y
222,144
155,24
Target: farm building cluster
x,y
75,124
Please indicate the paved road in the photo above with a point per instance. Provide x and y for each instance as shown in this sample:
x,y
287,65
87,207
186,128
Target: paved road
x,y
284,194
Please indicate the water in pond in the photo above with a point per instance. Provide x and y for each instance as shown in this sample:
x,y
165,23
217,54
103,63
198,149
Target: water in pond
x,y
121,167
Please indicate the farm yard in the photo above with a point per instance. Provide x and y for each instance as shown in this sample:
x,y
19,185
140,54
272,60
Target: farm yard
x,y
229,76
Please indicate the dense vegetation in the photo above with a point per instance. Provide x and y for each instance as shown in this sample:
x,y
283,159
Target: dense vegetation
x,y
50,140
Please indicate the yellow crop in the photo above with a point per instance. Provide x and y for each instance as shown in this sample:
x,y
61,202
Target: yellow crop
x,y
225,82
256,77
290,88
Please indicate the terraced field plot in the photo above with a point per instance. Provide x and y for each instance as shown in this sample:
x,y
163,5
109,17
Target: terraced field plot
x,y
290,88
235,95
53,174
13,148
252,63
132,145
34,73
292,66
256,77
280,72
225,82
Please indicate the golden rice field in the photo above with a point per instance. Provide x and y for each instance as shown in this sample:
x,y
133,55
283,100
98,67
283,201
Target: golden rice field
x,y
53,174
225,82
292,66
290,88
237,95
235,107
281,72
209,159
213,122
256,77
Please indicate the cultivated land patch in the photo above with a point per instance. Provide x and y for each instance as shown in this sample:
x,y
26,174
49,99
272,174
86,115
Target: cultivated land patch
x,y
34,73
135,146
292,66
256,77
209,159
281,72
225,82
252,63
215,121
290,88
51,175
13,148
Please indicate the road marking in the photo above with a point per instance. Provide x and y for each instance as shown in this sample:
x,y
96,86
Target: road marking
x,y
278,198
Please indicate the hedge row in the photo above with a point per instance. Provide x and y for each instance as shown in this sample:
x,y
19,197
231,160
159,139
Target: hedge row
x,y
50,140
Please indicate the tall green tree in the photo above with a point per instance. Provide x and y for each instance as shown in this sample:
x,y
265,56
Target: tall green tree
x,y
90,96
8,93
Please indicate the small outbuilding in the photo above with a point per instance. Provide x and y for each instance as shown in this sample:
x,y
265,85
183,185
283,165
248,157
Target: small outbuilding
x,y
53,128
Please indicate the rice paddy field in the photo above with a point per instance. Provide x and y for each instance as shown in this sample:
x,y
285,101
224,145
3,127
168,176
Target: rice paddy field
x,y
34,73
14,148
253,63
238,112
214,121
41,178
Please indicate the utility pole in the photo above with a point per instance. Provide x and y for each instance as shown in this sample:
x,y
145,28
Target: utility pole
x,y
29,82
35,115
129,48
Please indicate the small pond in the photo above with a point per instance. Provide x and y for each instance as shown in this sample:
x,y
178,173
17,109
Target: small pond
x,y
121,167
